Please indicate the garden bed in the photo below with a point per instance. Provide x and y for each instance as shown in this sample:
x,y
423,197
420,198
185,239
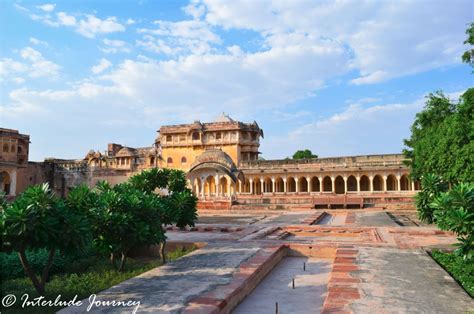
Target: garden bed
x,y
461,270
96,274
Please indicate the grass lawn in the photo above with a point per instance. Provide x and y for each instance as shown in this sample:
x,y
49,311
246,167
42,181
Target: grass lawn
x,y
461,270
93,279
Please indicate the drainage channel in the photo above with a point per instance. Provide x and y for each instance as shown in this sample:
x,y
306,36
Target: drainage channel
x,y
295,285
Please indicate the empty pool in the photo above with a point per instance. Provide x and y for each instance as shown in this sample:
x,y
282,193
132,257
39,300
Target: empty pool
x,y
309,292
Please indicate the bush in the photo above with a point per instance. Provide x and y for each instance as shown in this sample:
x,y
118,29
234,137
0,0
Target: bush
x,y
460,269
454,211
431,186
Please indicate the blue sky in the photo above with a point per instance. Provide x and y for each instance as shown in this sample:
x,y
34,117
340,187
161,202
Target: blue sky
x,y
337,77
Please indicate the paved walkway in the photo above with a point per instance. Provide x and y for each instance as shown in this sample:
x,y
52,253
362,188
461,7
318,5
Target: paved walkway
x,y
378,266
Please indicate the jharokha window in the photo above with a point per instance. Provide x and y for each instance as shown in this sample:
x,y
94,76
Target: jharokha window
x,y
169,160
195,136
183,160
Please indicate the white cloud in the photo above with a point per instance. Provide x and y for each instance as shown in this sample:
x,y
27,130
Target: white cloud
x,y
36,41
34,65
103,65
48,7
387,39
66,19
114,46
130,21
92,25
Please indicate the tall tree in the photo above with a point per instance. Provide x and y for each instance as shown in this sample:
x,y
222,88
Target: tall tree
x,y
442,139
304,154
468,56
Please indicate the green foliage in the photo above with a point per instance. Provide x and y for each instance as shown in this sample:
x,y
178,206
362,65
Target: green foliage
x,y
432,185
460,269
304,154
181,209
92,275
151,179
442,139
468,56
36,220
123,218
454,211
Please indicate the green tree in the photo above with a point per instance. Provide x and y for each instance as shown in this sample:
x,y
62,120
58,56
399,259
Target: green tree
x,y
432,185
454,211
178,207
304,154
123,218
442,139
468,56
37,219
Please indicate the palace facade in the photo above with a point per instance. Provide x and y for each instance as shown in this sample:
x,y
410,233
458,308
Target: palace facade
x,y
221,160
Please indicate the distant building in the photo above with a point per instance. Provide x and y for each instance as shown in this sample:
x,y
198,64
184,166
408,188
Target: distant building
x,y
221,162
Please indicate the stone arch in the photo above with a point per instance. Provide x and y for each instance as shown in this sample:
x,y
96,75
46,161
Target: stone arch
x,y
279,185
257,186
351,184
268,185
5,181
327,184
377,182
291,185
339,185
303,185
364,183
246,186
404,183
210,187
315,187
223,186
392,183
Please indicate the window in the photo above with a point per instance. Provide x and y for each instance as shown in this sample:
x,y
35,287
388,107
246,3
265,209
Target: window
x,y
169,138
218,136
245,135
183,160
182,138
152,160
195,136
254,136
5,148
19,150
12,149
169,160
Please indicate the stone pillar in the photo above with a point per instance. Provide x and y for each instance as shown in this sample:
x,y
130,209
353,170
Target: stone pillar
x,y
333,185
371,179
384,183
345,184
284,185
413,185
229,193
13,183
399,183
203,188
240,186
320,179
273,185
218,183
358,184
251,186
297,190
262,188
308,184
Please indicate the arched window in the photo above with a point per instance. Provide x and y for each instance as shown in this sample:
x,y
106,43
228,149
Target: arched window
x,y
5,148
152,160
169,160
20,150
195,136
183,160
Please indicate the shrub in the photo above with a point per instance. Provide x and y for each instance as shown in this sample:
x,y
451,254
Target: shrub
x,y
460,269
454,211
39,220
431,186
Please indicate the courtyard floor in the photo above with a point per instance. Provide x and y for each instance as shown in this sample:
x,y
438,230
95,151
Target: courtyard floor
x,y
340,261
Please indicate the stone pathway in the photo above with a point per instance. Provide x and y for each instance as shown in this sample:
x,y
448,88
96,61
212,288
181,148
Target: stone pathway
x,y
373,265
